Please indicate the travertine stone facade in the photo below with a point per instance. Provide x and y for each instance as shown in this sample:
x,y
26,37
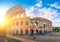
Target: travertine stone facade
x,y
19,23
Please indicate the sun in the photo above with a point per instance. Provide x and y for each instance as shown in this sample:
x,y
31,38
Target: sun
x,y
2,14
1,19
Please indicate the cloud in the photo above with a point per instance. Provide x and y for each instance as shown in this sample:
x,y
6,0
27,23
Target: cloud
x,y
56,5
56,22
32,11
29,12
39,11
39,4
47,13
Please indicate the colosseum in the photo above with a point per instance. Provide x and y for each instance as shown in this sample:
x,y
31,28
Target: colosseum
x,y
17,23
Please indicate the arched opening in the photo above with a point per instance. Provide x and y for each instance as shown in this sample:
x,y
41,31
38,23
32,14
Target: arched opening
x,y
31,23
26,22
31,32
17,23
16,31
21,22
36,23
36,31
40,32
21,31
44,28
26,32
13,32
46,32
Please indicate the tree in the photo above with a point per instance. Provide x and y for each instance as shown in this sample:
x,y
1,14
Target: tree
x,y
56,29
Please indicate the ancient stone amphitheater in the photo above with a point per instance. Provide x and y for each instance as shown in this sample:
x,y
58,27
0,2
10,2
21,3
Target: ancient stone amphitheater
x,y
17,23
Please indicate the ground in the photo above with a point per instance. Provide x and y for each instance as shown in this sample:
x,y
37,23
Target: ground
x,y
54,38
11,38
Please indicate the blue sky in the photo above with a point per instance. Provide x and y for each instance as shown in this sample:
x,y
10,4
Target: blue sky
x,y
49,9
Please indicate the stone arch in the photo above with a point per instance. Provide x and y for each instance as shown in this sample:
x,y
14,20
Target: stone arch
x,y
46,31
32,23
26,32
21,31
36,31
36,23
17,23
16,31
44,27
40,31
31,32
13,31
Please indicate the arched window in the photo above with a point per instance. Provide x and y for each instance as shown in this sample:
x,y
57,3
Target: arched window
x,y
17,23
26,32
40,32
21,31
44,28
44,25
36,31
16,31
26,22
13,31
36,23
21,22
31,32
31,23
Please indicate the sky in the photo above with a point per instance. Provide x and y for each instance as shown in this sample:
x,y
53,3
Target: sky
x,y
49,9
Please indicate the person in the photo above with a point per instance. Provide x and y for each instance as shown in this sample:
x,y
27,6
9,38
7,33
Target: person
x,y
34,37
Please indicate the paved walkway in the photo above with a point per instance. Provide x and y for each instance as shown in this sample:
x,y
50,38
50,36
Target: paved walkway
x,y
47,39
21,39
2,39
38,38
